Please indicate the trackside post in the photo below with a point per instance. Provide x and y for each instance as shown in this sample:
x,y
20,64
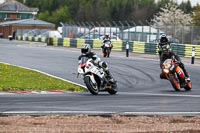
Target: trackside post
x,y
193,55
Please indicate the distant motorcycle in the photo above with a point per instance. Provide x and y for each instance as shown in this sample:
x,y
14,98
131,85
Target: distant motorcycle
x,y
106,48
95,78
175,75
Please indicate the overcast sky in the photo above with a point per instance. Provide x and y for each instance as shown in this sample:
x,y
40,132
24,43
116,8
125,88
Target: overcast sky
x,y
193,2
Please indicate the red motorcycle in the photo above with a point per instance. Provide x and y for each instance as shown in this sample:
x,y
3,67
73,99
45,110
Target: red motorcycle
x,y
175,74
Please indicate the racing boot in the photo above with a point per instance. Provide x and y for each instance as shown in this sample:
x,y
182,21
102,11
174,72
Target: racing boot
x,y
109,76
187,76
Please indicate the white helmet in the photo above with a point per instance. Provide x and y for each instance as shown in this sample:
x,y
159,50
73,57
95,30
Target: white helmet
x,y
86,48
107,35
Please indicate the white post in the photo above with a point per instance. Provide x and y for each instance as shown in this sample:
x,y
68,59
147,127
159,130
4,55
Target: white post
x,y
127,49
193,55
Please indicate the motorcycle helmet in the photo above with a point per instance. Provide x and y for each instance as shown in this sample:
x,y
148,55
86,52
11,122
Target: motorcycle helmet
x,y
106,35
163,38
86,48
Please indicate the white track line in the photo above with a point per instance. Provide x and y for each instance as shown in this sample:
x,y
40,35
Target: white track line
x,y
45,74
97,113
57,112
154,94
163,113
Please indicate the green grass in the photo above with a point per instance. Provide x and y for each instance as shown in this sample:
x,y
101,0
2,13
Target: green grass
x,y
14,78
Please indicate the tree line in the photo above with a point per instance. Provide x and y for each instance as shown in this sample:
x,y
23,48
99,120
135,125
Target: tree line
x,y
142,11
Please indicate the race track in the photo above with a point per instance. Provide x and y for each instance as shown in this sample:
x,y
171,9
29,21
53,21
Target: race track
x,y
141,91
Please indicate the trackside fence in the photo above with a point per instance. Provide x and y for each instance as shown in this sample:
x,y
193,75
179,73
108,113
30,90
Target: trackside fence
x,y
183,50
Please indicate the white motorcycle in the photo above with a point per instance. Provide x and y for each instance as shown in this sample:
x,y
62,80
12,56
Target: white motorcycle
x,y
107,48
95,78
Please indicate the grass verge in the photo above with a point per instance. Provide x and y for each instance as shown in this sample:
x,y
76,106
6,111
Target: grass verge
x,y
14,78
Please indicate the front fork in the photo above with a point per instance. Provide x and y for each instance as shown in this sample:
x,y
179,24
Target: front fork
x,y
91,78
180,74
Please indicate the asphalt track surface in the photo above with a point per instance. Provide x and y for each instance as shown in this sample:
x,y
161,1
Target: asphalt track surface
x,y
141,91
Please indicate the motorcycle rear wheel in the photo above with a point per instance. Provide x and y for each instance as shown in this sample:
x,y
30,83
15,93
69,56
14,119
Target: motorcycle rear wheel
x,y
188,86
113,90
93,88
104,54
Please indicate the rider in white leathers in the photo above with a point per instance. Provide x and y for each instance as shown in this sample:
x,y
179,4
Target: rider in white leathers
x,y
86,52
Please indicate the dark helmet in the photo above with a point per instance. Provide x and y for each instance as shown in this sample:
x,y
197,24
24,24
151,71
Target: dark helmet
x,y
163,38
86,48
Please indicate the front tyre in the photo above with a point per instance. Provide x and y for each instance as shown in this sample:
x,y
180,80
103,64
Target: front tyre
x,y
175,83
92,87
108,52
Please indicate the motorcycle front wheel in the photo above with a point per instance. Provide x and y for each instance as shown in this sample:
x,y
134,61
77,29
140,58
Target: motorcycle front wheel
x,y
108,52
175,83
92,87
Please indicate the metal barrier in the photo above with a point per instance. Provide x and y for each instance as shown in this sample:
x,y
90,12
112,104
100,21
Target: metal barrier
x,y
184,50
126,31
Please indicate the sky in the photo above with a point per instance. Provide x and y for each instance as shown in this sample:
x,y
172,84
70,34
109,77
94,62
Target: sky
x,y
193,2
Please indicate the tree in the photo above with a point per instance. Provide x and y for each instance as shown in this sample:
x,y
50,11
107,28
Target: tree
x,y
60,15
104,10
173,21
44,16
186,7
145,10
171,15
196,15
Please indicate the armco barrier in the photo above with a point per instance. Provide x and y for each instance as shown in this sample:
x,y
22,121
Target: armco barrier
x,y
97,44
139,47
35,39
150,48
178,49
188,50
19,38
117,45
184,50
79,43
66,42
